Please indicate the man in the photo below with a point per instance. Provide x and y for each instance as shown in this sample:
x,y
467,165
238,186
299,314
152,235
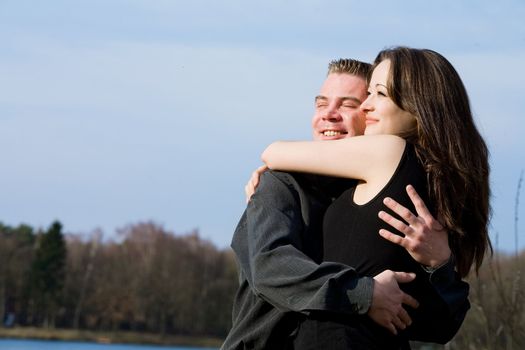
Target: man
x,y
278,242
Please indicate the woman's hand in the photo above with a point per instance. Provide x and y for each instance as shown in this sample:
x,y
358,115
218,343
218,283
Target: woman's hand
x,y
425,238
252,184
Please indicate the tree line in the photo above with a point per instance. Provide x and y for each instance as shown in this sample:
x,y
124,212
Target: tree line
x,y
154,280
151,280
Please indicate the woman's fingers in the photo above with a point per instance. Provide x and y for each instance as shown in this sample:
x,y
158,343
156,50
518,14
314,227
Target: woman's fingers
x,y
419,204
389,236
422,210
252,184
257,174
248,191
395,223
400,210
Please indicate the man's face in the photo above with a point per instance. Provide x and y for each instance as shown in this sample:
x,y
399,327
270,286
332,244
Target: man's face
x,y
337,113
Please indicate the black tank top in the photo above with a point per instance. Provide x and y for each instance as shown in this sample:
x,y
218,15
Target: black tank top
x,y
351,231
351,236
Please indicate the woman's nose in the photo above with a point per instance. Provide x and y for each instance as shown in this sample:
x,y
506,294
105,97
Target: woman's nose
x,y
366,105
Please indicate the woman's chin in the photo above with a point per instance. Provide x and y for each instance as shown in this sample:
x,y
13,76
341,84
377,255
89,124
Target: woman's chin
x,y
371,130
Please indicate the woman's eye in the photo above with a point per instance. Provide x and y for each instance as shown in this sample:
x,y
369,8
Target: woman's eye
x,y
380,93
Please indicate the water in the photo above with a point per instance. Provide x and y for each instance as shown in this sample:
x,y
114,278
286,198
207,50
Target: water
x,y
16,344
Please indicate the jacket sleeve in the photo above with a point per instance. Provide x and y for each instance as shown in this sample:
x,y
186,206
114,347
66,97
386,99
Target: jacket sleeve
x,y
442,313
268,246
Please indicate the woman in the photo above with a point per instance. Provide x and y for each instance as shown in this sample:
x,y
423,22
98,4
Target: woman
x,y
419,131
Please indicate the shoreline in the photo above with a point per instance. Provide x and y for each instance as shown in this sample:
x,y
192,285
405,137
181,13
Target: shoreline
x,y
117,337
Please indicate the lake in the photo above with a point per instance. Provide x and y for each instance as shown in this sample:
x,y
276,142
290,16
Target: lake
x,y
16,344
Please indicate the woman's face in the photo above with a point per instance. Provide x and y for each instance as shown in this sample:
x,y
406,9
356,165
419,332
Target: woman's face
x,y
383,116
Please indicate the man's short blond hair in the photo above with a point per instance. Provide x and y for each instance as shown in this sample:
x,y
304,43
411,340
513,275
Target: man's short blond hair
x,y
350,66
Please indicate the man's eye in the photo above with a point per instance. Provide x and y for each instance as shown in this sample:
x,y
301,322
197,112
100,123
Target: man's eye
x,y
349,106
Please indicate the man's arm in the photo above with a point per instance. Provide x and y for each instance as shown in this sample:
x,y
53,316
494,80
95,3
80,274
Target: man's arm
x,y
440,316
269,243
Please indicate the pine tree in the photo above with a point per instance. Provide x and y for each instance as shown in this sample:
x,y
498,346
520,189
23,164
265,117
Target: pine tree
x,y
48,274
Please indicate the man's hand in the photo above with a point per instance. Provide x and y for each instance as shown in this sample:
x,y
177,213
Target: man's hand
x,y
388,299
425,238
252,184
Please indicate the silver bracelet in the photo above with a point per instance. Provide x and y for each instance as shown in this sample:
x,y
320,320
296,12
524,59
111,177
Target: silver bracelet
x,y
430,269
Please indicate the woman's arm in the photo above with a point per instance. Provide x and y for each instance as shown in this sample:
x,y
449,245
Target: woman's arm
x,y
361,157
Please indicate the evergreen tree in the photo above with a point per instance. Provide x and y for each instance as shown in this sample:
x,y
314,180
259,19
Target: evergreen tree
x,y
48,274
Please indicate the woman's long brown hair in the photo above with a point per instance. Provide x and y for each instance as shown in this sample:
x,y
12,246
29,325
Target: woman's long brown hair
x,y
448,143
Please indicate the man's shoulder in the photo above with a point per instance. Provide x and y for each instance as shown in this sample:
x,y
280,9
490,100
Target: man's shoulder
x,y
277,175
279,181
282,179
310,184
292,178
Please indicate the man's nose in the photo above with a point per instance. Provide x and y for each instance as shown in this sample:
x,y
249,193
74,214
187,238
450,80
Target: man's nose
x,y
332,114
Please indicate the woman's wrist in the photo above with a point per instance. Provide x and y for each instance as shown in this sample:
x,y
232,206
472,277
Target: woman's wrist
x,y
432,268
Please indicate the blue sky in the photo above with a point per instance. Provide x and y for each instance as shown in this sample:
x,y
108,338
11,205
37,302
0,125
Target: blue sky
x,y
115,112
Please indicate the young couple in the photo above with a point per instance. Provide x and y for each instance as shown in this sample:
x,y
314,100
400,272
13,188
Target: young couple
x,y
354,259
